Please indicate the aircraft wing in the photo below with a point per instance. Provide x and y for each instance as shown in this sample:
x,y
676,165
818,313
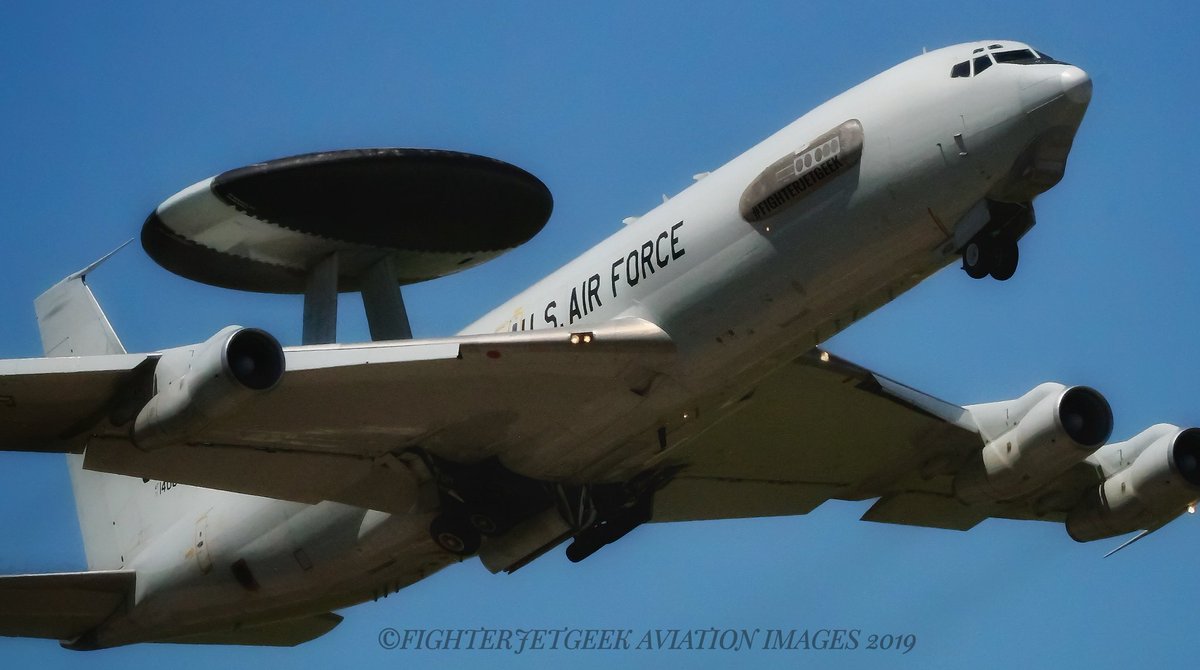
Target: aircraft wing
x,y
821,427
816,428
61,606
332,428
49,404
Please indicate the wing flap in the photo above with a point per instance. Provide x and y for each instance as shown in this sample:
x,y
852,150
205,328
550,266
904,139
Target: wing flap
x,y
61,606
689,498
929,510
383,483
275,634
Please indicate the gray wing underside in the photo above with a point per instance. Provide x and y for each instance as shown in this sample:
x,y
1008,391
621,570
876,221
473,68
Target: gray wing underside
x,y
61,606
822,428
66,606
337,426
49,404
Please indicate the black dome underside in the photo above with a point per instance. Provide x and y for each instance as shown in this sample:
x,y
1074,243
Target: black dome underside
x,y
464,207
413,199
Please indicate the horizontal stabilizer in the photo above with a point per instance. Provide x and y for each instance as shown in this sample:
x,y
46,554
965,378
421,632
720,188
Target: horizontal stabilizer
x,y
61,606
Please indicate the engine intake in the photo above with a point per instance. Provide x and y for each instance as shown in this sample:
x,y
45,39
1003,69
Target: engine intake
x,y
255,359
1085,416
1158,479
1031,440
194,385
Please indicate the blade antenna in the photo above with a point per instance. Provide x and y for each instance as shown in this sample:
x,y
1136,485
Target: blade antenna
x,y
1130,541
95,264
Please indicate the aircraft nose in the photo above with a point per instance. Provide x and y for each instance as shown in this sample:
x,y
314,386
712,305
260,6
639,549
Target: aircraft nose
x,y
1041,85
1076,85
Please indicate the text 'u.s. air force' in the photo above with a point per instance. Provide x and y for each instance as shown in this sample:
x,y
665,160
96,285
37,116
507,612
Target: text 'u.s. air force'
x,y
631,269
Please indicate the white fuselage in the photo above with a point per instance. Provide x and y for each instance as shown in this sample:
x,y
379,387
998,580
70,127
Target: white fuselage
x,y
729,294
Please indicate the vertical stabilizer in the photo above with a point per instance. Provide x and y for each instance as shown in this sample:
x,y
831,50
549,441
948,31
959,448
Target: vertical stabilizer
x,y
71,321
72,324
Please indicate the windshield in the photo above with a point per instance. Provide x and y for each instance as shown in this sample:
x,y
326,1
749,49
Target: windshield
x,y
1019,56
996,54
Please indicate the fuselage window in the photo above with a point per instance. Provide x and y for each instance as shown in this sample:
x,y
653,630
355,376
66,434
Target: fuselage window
x,y
982,63
962,69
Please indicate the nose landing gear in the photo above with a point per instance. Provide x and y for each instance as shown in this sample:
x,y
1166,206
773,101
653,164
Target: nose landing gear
x,y
995,256
993,250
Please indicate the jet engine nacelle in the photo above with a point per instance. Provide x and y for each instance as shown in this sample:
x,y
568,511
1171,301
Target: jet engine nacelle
x,y
1159,484
193,385
1031,440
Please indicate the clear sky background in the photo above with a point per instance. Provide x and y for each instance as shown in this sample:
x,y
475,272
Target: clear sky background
x,y
106,110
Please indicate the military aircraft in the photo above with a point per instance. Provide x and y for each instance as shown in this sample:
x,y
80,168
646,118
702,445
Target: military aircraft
x,y
236,491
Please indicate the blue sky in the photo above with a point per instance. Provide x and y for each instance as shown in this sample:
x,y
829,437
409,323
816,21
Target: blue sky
x,y
105,112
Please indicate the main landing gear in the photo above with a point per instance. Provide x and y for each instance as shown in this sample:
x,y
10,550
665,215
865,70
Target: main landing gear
x,y
454,534
486,499
480,500
616,509
610,526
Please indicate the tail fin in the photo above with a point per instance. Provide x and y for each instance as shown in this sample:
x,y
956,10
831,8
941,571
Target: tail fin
x,y
71,321
72,324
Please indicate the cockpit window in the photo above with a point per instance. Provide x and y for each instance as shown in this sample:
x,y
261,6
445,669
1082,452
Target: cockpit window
x,y
1044,57
1019,56
986,60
